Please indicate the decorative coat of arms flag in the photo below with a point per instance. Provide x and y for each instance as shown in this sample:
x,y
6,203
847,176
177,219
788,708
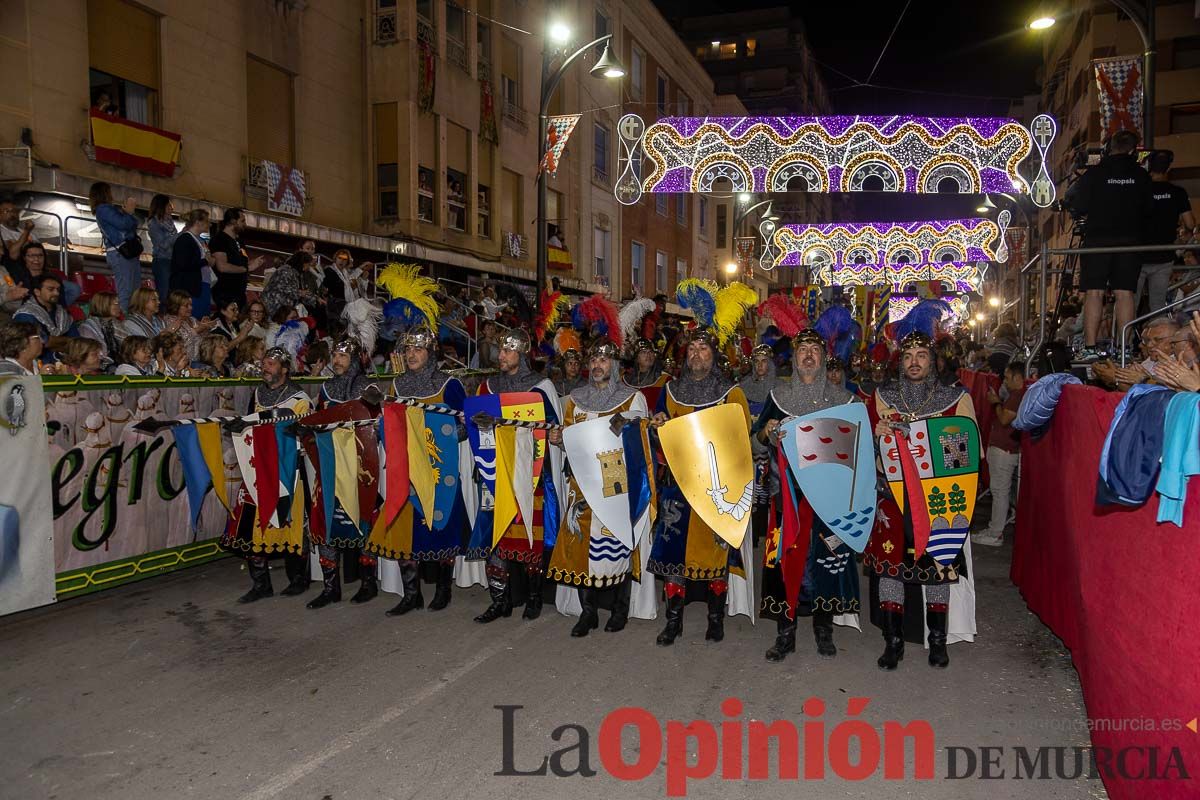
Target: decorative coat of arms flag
x,y
558,130
1119,80
941,474
499,490
599,465
285,189
831,455
709,455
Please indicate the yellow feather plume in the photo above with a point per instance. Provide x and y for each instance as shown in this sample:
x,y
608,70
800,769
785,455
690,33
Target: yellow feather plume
x,y
405,281
732,302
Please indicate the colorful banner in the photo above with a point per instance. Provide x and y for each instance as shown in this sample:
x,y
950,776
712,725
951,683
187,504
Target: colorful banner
x,y
1119,81
558,131
285,189
26,553
133,145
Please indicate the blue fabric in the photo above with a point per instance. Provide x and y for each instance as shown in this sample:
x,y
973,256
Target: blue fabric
x,y
196,477
328,471
115,225
1181,455
1129,463
127,274
550,504
161,268
1039,402
637,478
285,440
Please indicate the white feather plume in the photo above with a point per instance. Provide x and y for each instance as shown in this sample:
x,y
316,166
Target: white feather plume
x,y
631,314
362,322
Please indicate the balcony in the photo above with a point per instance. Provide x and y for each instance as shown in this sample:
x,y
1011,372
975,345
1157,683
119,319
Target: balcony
x,y
600,175
514,245
456,53
385,26
516,116
426,32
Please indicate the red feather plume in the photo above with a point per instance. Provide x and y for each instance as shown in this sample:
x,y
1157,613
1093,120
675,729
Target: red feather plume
x,y
787,315
599,309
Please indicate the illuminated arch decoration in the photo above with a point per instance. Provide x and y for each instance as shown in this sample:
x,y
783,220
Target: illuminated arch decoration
x,y
723,165
836,153
973,238
961,276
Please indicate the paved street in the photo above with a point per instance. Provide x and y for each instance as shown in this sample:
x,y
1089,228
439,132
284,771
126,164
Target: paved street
x,y
167,689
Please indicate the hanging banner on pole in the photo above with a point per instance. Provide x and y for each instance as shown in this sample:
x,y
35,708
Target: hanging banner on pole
x,y
1119,80
558,130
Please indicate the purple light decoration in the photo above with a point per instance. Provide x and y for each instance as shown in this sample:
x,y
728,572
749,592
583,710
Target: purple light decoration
x,y
890,234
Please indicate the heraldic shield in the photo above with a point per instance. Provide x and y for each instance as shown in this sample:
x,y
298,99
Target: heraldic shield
x,y
709,455
945,455
832,457
524,406
598,462
441,448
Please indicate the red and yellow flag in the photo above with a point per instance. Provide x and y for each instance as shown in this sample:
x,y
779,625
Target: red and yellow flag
x,y
134,146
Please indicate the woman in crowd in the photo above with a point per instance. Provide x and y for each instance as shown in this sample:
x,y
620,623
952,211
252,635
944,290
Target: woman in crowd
x,y
228,325
249,357
20,347
178,319
256,320
122,246
342,280
283,289
141,317
189,260
34,263
170,355
162,240
102,324
214,357
81,356
137,357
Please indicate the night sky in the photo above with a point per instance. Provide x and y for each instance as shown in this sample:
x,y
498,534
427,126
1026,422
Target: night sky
x,y
954,58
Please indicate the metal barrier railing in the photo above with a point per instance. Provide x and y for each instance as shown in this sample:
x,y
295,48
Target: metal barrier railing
x,y
1043,258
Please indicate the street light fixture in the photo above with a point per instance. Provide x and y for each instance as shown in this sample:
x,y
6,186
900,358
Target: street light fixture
x,y
994,302
1041,23
743,197
607,66
986,207
731,268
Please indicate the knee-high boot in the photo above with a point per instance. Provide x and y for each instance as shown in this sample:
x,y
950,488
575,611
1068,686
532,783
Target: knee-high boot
x,y
296,566
412,600
368,587
823,633
533,602
499,590
785,638
893,636
620,607
716,611
331,578
445,582
936,617
674,627
589,618
260,578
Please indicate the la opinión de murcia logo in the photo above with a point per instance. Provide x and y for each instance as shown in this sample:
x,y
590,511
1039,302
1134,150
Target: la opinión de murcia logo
x,y
631,744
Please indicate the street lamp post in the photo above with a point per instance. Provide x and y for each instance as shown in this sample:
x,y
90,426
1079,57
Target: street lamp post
x,y
607,67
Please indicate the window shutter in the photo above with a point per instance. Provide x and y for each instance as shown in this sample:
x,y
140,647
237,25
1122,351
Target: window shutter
x,y
269,113
123,41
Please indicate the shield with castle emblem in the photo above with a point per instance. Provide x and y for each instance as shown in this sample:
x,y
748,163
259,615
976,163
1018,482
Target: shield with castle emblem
x,y
597,459
945,453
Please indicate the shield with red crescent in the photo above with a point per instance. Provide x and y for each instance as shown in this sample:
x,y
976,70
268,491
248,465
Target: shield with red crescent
x,y
832,457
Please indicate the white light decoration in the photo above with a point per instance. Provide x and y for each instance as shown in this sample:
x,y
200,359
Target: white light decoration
x,y
835,154
1044,130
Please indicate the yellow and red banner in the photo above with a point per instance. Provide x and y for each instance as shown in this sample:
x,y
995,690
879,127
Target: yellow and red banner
x,y
134,146
558,258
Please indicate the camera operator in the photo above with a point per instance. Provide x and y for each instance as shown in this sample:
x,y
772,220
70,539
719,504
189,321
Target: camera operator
x,y
1115,196
1171,211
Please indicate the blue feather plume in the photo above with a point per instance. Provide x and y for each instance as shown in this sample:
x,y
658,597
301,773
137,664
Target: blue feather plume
x,y
839,329
404,313
702,301
925,317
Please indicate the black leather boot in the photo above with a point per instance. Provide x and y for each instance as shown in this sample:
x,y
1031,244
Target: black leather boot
x,y
716,617
296,566
260,587
823,633
368,589
674,622
445,582
589,618
785,638
331,591
412,600
501,603
893,640
620,607
533,603
936,620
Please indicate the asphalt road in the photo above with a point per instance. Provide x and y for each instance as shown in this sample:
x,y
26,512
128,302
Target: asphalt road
x,y
168,689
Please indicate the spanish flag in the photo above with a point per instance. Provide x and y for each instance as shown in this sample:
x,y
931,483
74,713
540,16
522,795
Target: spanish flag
x,y
134,146
558,258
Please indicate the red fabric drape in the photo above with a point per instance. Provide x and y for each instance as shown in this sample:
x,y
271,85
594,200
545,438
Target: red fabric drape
x,y
1116,587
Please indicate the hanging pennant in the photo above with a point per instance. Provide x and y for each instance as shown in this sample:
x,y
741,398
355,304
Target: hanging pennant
x,y
558,130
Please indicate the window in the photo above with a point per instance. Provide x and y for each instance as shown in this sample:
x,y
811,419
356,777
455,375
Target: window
x,y
1187,53
425,10
751,46
510,211
600,154
510,72
661,96
483,38
660,204
484,192
602,29
660,271
637,263
123,60
680,269
458,157
387,161
456,35
728,50
703,215
269,97
683,104
1185,118
722,224
681,209
555,213
427,127
601,242
637,73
